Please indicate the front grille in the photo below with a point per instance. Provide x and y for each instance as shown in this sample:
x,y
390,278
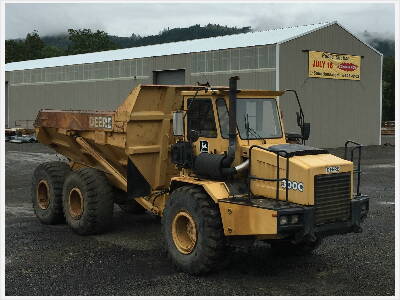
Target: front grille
x,y
332,196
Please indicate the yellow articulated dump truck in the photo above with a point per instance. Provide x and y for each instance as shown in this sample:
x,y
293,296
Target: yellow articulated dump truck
x,y
213,162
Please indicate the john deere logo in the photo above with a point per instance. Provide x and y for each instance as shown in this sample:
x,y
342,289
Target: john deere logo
x,y
100,122
334,169
204,146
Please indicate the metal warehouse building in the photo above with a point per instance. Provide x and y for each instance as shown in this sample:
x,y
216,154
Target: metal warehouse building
x,y
338,109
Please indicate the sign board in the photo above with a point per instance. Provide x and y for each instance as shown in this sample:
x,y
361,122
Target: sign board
x,y
334,66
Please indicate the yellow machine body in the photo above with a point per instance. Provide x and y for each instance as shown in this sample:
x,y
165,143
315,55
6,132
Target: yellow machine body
x,y
140,131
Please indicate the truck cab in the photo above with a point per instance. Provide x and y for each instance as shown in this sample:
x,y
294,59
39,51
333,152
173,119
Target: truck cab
x,y
258,120
232,143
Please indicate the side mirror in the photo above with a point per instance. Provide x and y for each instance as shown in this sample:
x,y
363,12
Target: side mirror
x,y
193,136
177,123
305,131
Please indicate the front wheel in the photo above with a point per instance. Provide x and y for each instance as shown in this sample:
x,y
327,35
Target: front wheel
x,y
192,230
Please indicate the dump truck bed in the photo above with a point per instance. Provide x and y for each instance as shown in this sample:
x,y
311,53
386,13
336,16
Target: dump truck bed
x,y
139,130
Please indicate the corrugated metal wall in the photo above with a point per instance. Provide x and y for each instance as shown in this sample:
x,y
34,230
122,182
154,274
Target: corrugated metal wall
x,y
99,86
103,86
254,65
7,85
337,109
27,100
6,105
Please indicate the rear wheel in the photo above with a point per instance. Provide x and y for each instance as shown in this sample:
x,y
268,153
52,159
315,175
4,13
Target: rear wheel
x,y
47,183
88,201
192,229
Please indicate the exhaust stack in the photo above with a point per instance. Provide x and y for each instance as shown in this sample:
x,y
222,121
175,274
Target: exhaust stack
x,y
230,157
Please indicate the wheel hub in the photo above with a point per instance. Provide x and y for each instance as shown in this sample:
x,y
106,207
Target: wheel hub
x,y
184,232
43,194
75,203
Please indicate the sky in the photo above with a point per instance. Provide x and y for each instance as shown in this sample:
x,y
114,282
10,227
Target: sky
x,y
123,19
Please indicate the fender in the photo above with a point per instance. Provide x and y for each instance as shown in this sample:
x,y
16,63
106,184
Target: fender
x,y
217,190
234,217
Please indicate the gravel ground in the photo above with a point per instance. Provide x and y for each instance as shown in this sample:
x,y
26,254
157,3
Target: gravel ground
x,y
51,260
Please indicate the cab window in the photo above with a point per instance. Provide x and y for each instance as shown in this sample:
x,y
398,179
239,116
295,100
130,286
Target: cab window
x,y
258,119
223,117
201,117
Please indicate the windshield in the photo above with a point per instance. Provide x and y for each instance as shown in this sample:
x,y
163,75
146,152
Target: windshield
x,y
258,119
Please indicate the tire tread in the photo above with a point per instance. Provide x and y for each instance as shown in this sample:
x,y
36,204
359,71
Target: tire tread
x,y
97,215
213,236
56,171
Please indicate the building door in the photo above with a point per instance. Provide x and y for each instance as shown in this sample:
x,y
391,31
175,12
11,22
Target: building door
x,y
176,77
6,106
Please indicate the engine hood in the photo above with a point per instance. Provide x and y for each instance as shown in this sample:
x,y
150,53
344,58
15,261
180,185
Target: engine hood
x,y
304,164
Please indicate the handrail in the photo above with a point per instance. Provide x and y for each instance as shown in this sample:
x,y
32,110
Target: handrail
x,y
358,170
278,179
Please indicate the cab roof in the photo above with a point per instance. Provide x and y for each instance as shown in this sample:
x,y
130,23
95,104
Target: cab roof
x,y
241,94
198,90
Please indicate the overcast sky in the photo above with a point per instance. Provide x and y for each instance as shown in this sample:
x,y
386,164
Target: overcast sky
x,y
146,19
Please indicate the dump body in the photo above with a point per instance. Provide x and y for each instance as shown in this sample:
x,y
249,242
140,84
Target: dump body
x,y
139,129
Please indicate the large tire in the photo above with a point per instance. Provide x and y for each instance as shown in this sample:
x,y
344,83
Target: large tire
x,y
192,230
129,206
47,184
286,248
88,201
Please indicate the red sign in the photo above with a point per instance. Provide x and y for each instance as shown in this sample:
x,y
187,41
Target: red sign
x,y
347,67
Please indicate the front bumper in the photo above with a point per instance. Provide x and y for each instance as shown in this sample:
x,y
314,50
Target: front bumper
x,y
306,228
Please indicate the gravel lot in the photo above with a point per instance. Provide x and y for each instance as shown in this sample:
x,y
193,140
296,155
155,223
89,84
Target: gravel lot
x,y
51,260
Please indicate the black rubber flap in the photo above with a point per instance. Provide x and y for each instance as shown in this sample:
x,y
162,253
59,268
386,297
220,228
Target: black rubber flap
x,y
137,184
296,150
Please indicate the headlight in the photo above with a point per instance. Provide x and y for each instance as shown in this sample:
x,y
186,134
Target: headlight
x,y
283,220
294,219
364,209
289,220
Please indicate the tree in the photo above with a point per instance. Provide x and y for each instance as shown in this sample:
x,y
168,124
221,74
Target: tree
x,y
33,45
388,91
387,48
86,41
52,51
15,50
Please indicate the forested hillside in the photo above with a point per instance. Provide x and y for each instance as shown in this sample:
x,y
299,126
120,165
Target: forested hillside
x,y
84,41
